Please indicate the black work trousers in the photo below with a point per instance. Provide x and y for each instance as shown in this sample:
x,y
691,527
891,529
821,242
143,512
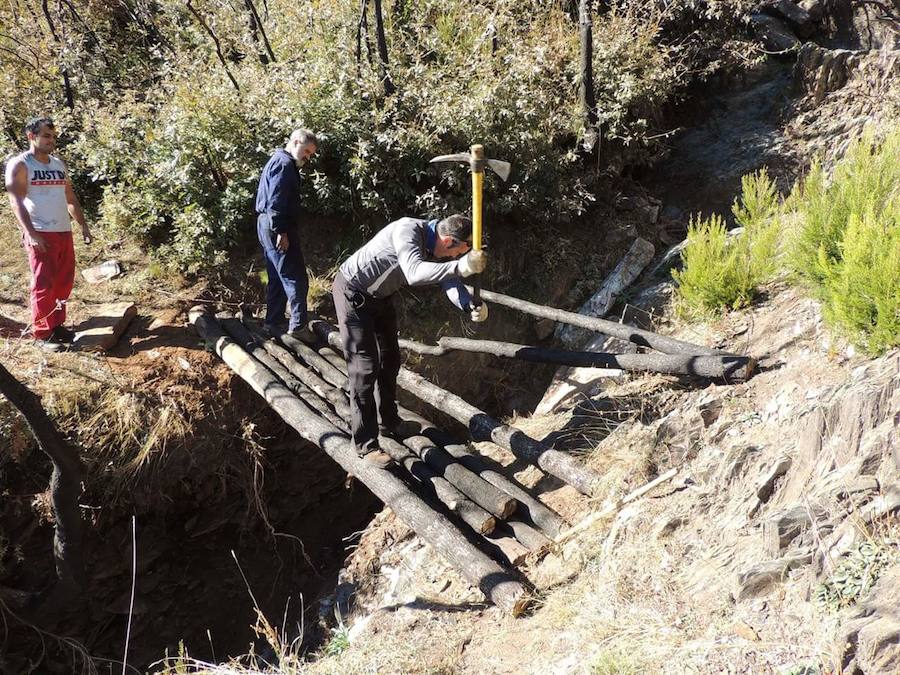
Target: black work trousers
x,y
369,333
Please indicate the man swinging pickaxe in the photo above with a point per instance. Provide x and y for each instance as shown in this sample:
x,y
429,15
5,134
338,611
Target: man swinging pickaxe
x,y
477,161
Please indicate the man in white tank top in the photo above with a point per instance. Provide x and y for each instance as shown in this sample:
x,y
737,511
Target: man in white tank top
x,y
44,202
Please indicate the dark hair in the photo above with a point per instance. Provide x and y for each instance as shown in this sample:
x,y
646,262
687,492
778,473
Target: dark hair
x,y
33,126
457,226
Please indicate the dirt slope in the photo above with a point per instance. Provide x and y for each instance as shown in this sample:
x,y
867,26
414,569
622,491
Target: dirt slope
x,y
716,571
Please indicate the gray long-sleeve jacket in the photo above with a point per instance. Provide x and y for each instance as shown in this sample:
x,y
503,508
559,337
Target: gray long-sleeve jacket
x,y
397,256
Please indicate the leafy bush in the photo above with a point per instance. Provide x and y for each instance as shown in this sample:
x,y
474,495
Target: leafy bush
x,y
847,246
176,147
856,574
862,293
865,180
725,269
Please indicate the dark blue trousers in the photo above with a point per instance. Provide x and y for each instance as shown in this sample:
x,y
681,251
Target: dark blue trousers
x,y
288,284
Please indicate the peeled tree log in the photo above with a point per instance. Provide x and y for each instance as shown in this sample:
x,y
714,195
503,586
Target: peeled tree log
x,y
445,492
529,507
496,583
539,513
483,427
645,338
727,367
65,488
598,305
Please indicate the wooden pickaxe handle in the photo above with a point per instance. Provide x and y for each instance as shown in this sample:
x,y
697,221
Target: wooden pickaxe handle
x,y
477,154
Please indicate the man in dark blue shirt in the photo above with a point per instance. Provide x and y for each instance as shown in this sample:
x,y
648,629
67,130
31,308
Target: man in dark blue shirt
x,y
278,229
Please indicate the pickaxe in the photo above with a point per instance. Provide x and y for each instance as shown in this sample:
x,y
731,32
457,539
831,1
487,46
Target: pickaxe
x,y
476,160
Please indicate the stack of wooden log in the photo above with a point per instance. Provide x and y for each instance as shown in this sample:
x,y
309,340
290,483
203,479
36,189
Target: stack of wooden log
x,y
471,513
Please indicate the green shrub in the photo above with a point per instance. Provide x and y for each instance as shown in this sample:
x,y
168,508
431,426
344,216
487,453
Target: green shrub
x,y
724,270
862,293
846,249
865,180
856,574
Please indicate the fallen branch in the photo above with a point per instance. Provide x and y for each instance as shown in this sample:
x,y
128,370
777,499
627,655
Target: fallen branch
x,y
598,305
727,367
645,338
608,511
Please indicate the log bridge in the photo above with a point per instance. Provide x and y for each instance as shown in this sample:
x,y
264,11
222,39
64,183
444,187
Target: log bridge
x,y
478,519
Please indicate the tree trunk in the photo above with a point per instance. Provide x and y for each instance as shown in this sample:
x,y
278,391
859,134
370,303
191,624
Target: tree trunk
x,y
586,85
386,81
528,507
466,485
729,368
644,338
65,485
445,492
495,582
67,84
248,343
259,32
483,427
441,489
215,39
478,490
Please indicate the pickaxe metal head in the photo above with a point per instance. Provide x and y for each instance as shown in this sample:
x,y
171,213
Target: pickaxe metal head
x,y
476,161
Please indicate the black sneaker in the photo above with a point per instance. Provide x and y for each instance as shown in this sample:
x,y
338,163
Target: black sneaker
x,y
401,429
62,335
50,345
274,330
375,456
303,334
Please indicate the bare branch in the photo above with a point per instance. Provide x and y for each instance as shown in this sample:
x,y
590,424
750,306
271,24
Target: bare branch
x,y
215,40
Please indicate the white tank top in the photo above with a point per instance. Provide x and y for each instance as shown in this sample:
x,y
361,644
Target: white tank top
x,y
45,200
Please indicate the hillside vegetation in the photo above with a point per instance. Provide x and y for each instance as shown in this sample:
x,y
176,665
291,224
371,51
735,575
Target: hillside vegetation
x,y
838,236
169,109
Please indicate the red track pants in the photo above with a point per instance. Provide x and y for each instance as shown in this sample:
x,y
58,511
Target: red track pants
x,y
52,276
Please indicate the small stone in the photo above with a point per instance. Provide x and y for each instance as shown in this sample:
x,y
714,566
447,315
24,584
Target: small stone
x,y
745,630
102,272
102,331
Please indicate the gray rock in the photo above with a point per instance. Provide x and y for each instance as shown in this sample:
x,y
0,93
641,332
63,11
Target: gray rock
x,y
767,485
886,503
762,577
786,525
836,545
774,34
815,8
736,461
795,15
870,638
820,71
